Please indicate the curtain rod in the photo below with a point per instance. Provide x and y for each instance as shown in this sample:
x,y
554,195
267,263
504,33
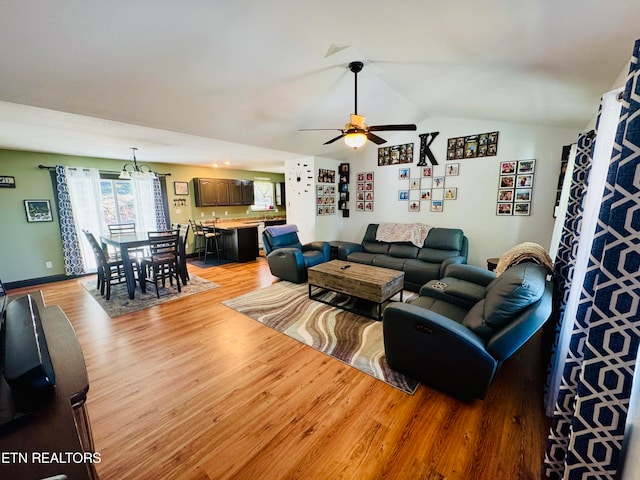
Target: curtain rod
x,y
111,172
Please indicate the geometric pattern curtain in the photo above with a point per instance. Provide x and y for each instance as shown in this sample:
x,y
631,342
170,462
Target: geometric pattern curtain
x,y
607,316
73,263
563,276
161,219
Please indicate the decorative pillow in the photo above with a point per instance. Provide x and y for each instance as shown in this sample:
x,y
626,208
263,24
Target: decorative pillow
x,y
514,290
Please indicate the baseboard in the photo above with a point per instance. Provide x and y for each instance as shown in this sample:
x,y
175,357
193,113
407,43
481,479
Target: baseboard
x,y
38,281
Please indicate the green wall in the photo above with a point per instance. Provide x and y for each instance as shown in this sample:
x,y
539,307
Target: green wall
x,y
26,247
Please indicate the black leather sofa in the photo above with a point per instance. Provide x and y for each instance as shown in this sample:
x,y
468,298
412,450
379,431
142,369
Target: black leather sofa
x,y
442,247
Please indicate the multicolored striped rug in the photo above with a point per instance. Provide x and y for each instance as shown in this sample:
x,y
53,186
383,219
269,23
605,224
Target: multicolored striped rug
x,y
351,338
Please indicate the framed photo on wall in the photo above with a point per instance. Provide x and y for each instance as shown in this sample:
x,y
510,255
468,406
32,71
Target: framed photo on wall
x,y
181,188
38,210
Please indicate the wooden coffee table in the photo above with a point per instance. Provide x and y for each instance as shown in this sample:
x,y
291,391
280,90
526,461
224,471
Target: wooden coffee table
x,y
357,280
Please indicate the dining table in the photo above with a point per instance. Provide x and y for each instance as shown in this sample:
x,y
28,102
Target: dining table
x,y
127,242
124,243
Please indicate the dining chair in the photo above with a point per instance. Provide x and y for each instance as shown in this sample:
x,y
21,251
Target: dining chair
x,y
183,231
109,271
124,229
198,238
121,228
213,241
162,263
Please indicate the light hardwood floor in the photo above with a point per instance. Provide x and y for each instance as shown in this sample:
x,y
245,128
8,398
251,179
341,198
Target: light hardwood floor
x,y
193,390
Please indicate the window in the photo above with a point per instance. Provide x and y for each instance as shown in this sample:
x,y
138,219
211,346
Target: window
x,y
117,201
263,195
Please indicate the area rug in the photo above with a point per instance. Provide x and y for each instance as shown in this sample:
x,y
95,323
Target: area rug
x,y
121,304
351,338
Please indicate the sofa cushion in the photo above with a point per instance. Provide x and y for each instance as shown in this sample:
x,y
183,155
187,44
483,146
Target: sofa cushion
x,y
445,239
361,257
419,272
403,250
445,309
510,293
433,255
375,247
289,240
313,258
514,290
387,261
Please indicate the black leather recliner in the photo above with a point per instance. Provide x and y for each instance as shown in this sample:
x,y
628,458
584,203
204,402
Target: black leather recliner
x,y
288,259
457,333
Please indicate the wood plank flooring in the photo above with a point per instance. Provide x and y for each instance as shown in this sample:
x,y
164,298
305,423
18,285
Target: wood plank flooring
x,y
193,390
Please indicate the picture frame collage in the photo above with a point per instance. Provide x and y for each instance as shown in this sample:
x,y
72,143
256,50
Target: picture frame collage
x,y
326,194
472,146
430,188
364,192
395,155
515,187
325,199
343,189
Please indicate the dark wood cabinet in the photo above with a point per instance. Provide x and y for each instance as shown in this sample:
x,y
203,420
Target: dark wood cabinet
x,y
204,191
247,192
223,192
213,192
235,192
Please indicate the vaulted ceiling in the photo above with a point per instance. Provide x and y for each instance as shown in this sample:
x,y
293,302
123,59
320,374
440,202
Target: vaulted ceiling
x,y
202,81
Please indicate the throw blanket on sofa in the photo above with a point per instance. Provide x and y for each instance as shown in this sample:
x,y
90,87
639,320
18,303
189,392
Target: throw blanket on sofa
x,y
277,230
527,251
415,233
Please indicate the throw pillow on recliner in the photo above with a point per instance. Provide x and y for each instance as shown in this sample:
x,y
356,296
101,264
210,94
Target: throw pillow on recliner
x,y
510,293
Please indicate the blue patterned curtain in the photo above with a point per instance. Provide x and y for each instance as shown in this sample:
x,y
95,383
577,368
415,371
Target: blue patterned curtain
x,y
161,219
73,263
589,421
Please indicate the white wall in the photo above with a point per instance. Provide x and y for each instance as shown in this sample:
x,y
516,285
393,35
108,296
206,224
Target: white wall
x,y
474,211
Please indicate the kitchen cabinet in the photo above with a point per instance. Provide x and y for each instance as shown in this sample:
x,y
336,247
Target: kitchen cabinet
x,y
204,192
213,192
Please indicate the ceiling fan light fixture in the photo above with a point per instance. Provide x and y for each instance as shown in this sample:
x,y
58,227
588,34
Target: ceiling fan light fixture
x,y
355,139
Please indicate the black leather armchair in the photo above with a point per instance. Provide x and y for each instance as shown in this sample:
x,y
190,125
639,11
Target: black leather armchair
x,y
288,259
457,333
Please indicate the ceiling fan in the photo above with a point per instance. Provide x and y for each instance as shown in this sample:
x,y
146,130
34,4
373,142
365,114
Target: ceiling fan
x,y
356,133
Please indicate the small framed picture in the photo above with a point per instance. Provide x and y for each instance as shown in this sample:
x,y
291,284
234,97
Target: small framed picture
x,y
507,181
414,206
523,195
436,205
504,209
403,173
7,182
38,210
427,171
403,195
414,184
505,195
451,193
526,166
507,168
181,188
453,169
524,181
521,208
438,182
425,194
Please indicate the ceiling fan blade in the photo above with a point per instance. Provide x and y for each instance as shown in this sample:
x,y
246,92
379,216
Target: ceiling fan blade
x,y
318,129
403,126
375,139
334,139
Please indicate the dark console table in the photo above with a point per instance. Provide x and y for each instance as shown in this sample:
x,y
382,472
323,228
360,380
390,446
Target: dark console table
x,y
54,439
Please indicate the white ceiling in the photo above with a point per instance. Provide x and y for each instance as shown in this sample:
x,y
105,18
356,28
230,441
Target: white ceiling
x,y
202,81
